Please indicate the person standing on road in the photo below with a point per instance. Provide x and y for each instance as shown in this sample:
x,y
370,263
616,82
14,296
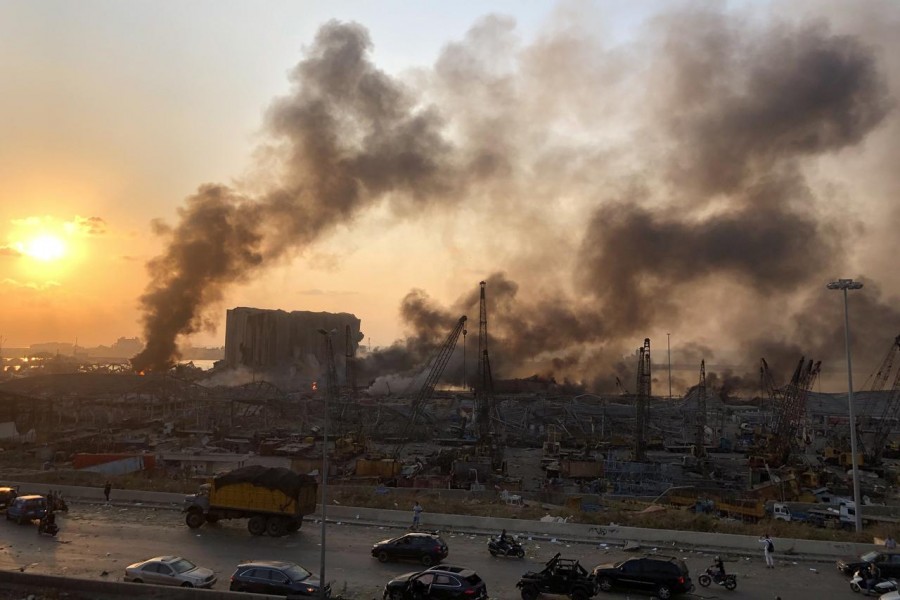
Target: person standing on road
x,y
889,543
768,551
106,490
417,514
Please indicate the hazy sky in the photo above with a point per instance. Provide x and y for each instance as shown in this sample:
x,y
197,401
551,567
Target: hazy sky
x,y
622,169
119,110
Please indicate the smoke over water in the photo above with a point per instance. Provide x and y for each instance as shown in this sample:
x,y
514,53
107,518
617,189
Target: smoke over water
x,y
669,183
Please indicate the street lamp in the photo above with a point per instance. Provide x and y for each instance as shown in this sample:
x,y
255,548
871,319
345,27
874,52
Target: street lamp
x,y
849,284
330,390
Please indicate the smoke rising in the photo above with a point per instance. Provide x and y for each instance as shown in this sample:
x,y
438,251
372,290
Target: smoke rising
x,y
613,192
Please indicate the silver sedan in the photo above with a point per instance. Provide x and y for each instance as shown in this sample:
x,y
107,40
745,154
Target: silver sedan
x,y
170,570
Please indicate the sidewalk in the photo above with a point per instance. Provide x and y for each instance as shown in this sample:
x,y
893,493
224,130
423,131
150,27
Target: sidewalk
x,y
610,535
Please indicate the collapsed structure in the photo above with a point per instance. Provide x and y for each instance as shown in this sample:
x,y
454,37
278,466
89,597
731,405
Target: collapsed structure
x,y
272,339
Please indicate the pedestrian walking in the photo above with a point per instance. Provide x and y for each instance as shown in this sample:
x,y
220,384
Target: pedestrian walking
x,y
417,514
106,490
768,551
889,543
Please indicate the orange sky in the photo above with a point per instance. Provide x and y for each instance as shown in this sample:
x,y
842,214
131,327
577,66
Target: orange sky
x,y
121,110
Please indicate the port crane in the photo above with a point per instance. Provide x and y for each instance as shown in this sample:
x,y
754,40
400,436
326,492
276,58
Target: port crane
x,y
438,363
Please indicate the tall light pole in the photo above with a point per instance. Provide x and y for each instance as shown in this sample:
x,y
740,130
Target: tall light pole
x,y
669,349
849,284
330,391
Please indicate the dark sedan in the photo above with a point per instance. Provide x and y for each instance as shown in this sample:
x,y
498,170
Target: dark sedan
x,y
427,548
437,583
888,563
660,576
275,577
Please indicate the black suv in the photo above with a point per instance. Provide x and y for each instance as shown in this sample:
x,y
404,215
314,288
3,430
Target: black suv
x,y
277,578
427,548
563,576
442,582
888,563
659,575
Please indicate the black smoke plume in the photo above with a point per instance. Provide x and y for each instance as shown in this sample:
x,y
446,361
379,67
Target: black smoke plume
x,y
672,182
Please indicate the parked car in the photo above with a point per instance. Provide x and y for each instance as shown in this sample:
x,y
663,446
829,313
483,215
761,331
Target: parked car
x,y
7,494
440,582
661,576
170,570
427,548
276,577
24,509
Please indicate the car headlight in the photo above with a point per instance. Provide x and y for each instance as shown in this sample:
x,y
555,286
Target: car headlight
x,y
310,589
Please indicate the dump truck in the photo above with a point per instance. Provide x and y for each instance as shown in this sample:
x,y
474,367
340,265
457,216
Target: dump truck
x,y
273,499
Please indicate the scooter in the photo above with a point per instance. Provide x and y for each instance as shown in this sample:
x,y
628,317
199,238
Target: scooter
x,y
508,547
712,575
883,586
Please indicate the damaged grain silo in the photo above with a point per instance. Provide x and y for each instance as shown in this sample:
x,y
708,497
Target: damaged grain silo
x,y
264,339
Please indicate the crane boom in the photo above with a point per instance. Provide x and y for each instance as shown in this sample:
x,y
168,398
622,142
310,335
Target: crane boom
x,y
700,443
438,362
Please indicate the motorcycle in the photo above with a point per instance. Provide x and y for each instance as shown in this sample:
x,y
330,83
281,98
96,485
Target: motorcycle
x,y
508,547
712,575
882,586
48,528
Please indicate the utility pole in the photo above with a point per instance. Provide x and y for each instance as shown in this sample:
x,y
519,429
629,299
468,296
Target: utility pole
x,y
331,393
669,349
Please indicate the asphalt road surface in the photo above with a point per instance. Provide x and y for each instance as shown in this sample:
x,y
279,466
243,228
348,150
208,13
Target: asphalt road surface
x,y
98,542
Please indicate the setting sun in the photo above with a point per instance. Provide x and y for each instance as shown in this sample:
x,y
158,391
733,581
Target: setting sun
x,y
44,247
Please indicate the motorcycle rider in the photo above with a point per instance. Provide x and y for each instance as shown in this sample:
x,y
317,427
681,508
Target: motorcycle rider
x,y
873,576
48,522
720,570
503,541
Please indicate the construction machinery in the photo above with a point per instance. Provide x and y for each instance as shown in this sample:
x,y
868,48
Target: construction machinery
x,y
874,449
642,400
789,405
438,363
700,439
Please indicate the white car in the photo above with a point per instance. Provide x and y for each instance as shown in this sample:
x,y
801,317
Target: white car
x,y
170,570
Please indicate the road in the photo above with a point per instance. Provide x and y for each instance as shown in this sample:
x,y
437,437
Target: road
x,y
97,539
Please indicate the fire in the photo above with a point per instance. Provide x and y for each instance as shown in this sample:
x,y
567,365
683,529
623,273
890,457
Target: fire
x,y
315,386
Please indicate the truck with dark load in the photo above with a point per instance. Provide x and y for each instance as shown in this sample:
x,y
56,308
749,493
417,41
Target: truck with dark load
x,y
273,499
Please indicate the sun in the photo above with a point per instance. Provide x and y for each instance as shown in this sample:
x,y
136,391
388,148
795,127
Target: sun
x,y
45,247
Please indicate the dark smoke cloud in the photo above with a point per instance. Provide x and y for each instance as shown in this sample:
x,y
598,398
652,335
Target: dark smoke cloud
x,y
347,134
611,193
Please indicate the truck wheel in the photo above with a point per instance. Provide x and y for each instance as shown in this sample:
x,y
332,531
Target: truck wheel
x,y
529,592
295,525
276,527
256,525
194,519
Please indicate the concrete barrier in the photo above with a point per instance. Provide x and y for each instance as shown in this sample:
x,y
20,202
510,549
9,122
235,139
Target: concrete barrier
x,y
574,532
601,534
89,589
